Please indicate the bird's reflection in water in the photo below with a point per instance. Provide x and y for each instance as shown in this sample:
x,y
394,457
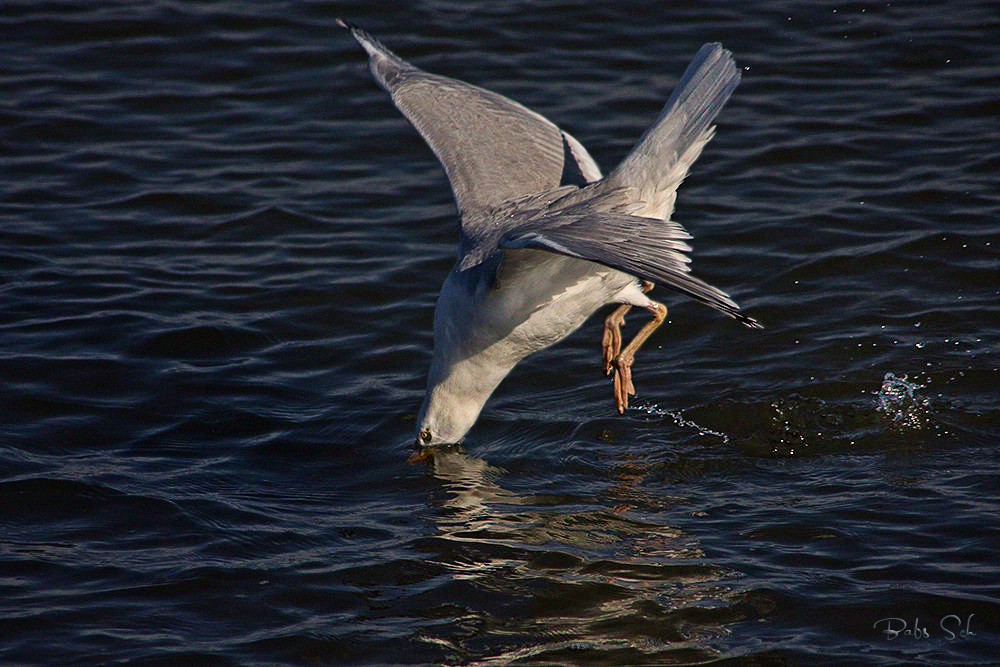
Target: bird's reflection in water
x,y
541,575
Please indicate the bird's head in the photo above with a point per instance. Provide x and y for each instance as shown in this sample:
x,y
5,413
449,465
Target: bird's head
x,y
446,417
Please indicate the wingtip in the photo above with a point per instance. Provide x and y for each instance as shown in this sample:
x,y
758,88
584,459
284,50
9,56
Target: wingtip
x,y
344,23
371,45
747,321
357,32
717,52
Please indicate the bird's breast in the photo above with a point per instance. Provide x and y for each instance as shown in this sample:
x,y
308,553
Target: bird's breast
x,y
532,300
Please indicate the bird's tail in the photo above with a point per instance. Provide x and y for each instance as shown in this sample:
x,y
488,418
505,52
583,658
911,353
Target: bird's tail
x,y
661,159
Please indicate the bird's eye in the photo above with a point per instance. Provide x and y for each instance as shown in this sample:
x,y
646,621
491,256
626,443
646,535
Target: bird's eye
x,y
425,437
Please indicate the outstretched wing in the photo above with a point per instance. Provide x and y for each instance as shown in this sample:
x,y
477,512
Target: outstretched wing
x,y
649,248
660,160
623,221
493,149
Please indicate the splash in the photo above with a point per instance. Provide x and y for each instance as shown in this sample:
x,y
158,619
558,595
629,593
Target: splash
x,y
680,420
899,401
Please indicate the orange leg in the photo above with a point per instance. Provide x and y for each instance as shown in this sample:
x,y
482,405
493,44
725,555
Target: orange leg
x,y
611,339
622,363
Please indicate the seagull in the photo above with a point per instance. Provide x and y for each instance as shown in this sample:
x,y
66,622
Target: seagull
x,y
545,240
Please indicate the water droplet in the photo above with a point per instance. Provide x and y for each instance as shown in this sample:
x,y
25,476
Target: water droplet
x,y
898,400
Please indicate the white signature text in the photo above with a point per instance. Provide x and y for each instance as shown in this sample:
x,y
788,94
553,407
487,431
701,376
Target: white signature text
x,y
951,627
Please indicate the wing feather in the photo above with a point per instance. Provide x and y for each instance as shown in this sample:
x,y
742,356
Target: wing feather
x,y
644,247
493,149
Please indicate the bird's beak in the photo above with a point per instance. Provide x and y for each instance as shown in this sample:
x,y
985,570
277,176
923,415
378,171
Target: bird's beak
x,y
422,454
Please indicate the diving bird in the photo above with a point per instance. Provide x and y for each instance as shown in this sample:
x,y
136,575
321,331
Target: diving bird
x,y
545,240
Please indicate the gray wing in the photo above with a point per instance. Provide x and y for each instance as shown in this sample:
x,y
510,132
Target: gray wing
x,y
649,248
623,221
660,160
493,149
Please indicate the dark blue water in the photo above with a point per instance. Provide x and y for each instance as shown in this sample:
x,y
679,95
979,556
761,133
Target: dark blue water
x,y
220,247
